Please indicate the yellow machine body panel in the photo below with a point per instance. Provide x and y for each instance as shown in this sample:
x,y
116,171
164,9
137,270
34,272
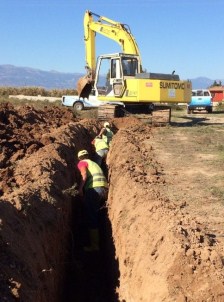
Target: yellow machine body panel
x,y
150,90
163,91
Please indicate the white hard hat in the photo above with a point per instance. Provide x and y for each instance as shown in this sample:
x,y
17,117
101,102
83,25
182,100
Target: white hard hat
x,y
82,152
106,124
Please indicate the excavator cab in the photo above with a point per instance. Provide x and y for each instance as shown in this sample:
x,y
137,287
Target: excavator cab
x,y
114,70
109,78
111,72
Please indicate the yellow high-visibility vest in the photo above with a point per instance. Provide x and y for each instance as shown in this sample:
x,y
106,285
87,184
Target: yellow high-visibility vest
x,y
95,176
107,137
100,144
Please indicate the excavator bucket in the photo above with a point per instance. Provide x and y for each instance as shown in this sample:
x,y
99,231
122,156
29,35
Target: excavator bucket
x,y
84,87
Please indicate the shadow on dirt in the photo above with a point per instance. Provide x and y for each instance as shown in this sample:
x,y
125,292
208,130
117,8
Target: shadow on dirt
x,y
218,112
92,276
194,121
7,255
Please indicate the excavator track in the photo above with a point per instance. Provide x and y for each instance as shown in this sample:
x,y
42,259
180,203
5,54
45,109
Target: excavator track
x,y
160,116
106,112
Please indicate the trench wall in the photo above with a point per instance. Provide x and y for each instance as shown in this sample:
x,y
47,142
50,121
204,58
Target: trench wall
x,y
163,252
138,219
35,234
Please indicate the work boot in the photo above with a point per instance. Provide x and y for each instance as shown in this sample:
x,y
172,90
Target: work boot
x,y
94,241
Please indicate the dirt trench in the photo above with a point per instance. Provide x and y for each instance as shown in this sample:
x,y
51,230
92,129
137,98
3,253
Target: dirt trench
x,y
38,158
151,249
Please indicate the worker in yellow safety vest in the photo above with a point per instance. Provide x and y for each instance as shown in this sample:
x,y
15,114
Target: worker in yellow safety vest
x,y
94,188
101,149
106,133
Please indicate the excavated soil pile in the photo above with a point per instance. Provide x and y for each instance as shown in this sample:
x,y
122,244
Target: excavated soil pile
x,y
37,162
163,254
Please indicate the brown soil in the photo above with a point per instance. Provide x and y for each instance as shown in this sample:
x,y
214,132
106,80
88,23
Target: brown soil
x,y
165,208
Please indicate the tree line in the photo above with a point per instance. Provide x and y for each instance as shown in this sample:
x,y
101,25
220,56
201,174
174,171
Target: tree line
x,y
35,91
215,83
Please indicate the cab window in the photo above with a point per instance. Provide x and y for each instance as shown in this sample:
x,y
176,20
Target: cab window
x,y
130,66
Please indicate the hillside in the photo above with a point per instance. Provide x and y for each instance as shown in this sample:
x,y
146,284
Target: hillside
x,y
24,76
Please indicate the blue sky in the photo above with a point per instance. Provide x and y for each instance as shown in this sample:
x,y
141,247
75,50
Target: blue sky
x,y
182,35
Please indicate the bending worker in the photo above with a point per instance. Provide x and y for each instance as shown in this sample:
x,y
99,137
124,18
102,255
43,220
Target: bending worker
x,y
101,149
94,188
106,133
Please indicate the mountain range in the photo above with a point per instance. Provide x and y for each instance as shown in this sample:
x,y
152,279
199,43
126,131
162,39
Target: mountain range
x,y
13,76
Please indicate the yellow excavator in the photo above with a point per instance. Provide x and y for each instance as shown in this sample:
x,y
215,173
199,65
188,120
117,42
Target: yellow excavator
x,y
119,78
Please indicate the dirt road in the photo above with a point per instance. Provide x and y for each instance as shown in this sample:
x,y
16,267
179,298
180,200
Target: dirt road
x,y
165,208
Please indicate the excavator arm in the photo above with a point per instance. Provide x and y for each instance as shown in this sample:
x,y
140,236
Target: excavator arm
x,y
113,30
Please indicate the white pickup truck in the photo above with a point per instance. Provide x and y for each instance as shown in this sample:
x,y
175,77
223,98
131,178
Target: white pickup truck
x,y
79,104
201,100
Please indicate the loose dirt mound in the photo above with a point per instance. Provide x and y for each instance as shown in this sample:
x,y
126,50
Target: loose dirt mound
x,y
165,252
23,132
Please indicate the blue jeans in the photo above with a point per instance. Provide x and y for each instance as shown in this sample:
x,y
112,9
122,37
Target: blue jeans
x,y
94,199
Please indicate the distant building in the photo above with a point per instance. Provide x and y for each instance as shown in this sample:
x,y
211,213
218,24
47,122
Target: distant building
x,y
217,93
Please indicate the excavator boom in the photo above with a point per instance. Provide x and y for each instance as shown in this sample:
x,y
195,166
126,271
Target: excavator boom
x,y
113,30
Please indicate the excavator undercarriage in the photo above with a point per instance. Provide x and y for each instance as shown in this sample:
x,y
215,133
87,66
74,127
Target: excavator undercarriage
x,y
161,115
